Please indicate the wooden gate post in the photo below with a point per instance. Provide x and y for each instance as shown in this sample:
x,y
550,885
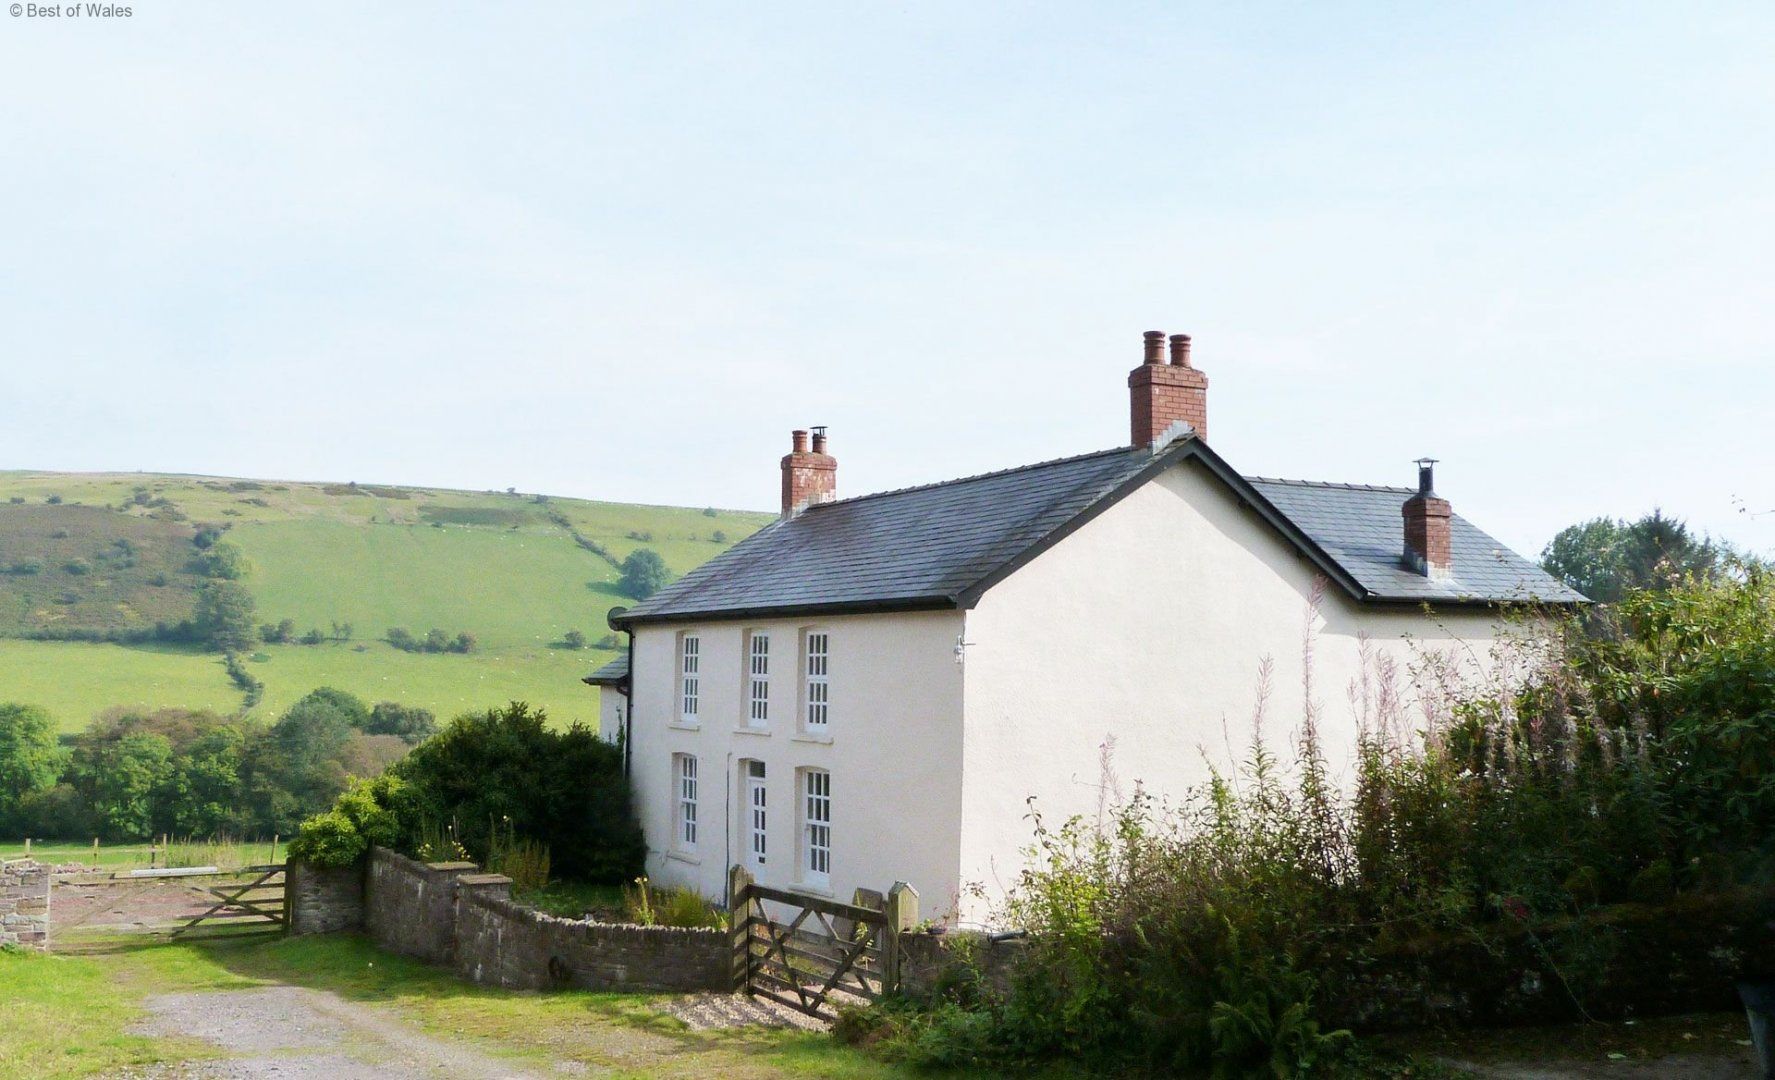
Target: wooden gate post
x,y
902,916
739,903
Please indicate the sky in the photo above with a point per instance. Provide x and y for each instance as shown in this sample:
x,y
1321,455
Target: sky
x,y
618,251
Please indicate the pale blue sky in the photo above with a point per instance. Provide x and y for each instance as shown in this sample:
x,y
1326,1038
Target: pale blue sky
x,y
617,251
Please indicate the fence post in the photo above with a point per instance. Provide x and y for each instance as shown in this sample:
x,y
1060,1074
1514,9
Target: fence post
x,y
739,901
902,916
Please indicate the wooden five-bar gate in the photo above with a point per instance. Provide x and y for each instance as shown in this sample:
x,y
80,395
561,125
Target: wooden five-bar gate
x,y
814,954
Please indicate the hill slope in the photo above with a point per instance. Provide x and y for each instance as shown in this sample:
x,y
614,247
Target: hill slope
x,y
116,554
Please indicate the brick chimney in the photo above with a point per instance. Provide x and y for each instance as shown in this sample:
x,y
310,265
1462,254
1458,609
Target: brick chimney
x,y
1429,549
1160,394
809,476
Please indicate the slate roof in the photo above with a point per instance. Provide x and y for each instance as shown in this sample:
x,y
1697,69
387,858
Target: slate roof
x,y
941,545
610,674
1359,527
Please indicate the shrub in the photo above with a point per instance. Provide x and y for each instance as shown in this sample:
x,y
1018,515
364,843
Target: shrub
x,y
645,904
328,839
574,639
563,789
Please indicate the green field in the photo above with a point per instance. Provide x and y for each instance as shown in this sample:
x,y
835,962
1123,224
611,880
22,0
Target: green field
x,y
76,681
515,571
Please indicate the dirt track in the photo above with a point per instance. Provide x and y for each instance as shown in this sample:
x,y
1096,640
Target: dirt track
x,y
299,1034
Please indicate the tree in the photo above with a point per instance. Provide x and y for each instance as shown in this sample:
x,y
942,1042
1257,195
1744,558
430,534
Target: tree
x,y
29,761
279,633
121,779
643,573
1606,559
402,638
224,616
203,793
436,640
225,561
574,639
411,723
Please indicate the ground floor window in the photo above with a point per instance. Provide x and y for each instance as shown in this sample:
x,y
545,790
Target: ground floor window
x,y
684,770
816,826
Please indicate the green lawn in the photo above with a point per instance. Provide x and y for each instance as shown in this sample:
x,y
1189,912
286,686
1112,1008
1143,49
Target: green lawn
x,y
69,1016
75,681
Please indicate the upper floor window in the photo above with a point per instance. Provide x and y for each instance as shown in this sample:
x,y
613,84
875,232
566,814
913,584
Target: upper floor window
x,y
684,766
816,664
690,648
757,678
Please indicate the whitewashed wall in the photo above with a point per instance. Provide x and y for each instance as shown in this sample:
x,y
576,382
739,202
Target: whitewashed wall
x,y
610,712
894,752
1146,627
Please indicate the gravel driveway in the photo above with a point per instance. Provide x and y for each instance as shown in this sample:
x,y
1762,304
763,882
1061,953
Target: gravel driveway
x,y
297,1034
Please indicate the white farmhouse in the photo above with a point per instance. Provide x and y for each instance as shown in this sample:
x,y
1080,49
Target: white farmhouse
x,y
871,689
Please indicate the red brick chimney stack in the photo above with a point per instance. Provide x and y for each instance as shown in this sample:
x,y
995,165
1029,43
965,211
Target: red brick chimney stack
x,y
1429,547
1160,393
809,477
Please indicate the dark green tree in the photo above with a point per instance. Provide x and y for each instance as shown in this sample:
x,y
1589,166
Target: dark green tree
x,y
643,573
411,723
29,760
1607,559
224,616
563,788
121,780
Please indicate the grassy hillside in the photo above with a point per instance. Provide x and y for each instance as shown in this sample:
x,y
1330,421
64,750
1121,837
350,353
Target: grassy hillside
x,y
116,552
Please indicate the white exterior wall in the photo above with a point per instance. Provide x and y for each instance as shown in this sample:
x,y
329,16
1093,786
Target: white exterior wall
x,y
894,752
1148,624
611,704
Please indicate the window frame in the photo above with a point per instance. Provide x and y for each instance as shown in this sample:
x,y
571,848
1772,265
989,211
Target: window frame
x,y
687,791
690,679
756,679
756,813
814,793
816,686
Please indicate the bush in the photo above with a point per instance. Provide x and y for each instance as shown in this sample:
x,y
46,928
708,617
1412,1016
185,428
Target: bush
x,y
645,904
330,840
563,789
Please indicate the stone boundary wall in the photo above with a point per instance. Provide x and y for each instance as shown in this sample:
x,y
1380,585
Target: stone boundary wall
x,y
500,943
933,963
323,900
24,904
453,915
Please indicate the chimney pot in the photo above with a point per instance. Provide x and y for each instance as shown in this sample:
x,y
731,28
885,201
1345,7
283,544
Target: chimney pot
x,y
808,477
1161,394
1155,346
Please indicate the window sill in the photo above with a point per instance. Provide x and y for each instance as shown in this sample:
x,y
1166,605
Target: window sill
x,y
822,891
678,725
751,731
810,737
685,857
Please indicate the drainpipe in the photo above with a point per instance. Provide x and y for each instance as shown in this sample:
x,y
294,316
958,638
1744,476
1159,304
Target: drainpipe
x,y
628,712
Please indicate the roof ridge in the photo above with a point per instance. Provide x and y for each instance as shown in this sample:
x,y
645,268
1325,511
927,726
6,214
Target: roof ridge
x,y
976,476
1328,484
